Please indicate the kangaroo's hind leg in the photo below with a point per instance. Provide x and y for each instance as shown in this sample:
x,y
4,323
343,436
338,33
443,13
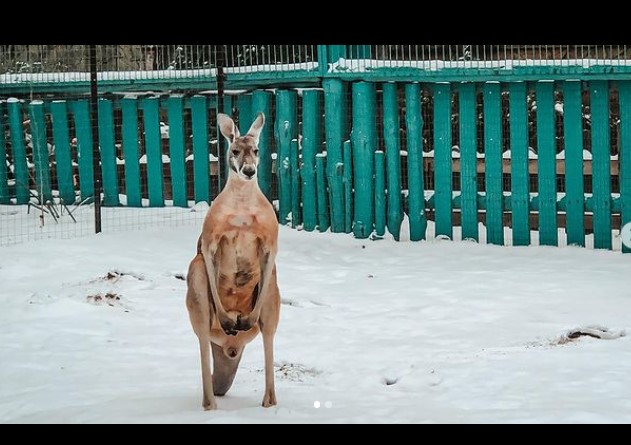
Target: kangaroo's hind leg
x,y
268,322
201,314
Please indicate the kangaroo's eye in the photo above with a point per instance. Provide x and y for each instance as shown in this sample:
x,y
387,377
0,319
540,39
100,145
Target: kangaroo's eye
x,y
256,152
235,152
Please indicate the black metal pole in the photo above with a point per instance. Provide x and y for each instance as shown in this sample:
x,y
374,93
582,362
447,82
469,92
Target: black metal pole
x,y
94,117
221,62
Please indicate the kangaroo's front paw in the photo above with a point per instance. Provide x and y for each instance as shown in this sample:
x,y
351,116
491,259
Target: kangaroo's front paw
x,y
228,325
230,329
243,323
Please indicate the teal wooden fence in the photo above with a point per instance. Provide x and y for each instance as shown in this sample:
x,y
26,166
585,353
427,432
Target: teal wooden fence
x,y
484,159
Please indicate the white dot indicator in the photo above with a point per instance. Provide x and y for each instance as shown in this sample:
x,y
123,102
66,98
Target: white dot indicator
x,y
625,235
316,404
328,404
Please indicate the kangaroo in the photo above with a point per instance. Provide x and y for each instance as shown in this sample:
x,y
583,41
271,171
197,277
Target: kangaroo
x,y
232,288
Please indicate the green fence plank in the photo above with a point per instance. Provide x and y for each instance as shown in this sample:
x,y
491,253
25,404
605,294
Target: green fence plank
x,y
130,152
391,135
348,187
493,163
16,127
63,154
416,188
574,179
108,153
85,151
442,159
5,198
296,210
151,114
286,130
364,139
334,100
335,52
624,91
601,160
201,168
40,150
546,171
244,105
520,179
380,194
323,201
177,150
311,140
261,103
468,160
323,59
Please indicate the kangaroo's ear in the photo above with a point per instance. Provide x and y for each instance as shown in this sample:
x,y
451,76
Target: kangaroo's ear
x,y
257,126
227,127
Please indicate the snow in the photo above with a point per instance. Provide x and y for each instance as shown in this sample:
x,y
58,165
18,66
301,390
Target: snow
x,y
370,331
167,160
164,131
13,78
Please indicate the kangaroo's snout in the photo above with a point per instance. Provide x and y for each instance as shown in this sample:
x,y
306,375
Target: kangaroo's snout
x,y
249,171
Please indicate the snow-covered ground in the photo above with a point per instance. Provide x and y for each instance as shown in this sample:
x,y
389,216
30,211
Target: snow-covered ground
x,y
95,330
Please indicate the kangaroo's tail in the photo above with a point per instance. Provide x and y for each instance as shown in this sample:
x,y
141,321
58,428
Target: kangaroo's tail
x,y
224,370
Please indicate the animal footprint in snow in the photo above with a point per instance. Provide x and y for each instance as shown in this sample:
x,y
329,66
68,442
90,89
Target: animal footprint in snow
x,y
294,372
109,299
115,275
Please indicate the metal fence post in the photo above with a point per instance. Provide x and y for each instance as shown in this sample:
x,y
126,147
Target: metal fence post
x,y
96,159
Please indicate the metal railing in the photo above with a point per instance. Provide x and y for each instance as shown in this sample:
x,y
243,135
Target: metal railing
x,y
54,68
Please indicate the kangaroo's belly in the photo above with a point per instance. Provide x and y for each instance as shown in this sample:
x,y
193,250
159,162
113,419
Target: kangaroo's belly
x,y
239,270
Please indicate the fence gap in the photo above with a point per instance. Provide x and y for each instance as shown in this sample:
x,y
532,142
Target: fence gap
x,y
624,159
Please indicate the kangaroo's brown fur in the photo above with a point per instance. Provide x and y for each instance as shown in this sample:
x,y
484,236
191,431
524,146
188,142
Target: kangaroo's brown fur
x,y
232,289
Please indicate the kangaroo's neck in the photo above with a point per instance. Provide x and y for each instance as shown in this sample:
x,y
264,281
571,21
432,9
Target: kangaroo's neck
x,y
243,192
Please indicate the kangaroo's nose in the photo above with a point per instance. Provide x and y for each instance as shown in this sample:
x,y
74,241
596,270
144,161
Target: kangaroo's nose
x,y
249,171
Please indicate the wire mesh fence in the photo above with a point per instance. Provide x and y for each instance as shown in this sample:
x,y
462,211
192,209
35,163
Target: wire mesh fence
x,y
163,160
484,56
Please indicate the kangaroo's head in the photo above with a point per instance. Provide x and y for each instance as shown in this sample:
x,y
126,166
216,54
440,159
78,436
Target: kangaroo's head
x,y
243,153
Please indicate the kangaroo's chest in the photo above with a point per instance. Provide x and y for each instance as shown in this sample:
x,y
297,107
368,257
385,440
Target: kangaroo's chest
x,y
238,262
242,221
